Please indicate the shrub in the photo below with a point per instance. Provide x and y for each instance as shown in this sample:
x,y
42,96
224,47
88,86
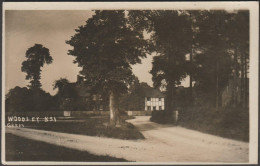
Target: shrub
x,y
162,117
23,99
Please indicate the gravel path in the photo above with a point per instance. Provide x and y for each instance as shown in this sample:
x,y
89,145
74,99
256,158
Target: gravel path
x,y
163,143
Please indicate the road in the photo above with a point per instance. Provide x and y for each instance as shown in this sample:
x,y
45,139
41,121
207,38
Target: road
x,y
163,143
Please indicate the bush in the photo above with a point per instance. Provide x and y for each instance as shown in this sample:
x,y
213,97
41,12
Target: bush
x,y
162,117
23,100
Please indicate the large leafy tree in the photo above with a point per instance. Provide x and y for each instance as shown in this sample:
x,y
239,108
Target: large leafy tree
x,y
36,56
105,48
239,42
222,38
170,38
217,42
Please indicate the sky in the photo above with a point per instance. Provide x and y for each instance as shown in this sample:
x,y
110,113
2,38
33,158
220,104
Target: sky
x,y
24,28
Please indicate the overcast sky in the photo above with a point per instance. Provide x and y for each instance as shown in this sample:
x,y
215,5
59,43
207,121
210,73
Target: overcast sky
x,y
51,29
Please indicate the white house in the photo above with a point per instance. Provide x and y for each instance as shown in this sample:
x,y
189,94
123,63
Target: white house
x,y
154,100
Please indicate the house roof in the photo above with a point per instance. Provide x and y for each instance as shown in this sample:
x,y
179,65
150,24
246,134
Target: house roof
x,y
151,92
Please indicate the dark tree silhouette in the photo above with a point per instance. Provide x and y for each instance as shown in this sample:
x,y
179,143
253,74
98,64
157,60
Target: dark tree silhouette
x,y
171,40
36,56
217,42
105,48
23,99
60,84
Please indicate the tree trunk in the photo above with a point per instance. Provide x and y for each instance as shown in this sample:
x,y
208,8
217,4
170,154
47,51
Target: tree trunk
x,y
235,79
217,84
246,86
114,109
170,97
242,82
191,97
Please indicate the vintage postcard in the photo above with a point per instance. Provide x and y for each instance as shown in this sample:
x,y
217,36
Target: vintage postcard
x,y
107,83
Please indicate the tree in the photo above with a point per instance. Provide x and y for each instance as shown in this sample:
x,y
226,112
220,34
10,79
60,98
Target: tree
x,y
105,48
60,84
171,40
36,56
212,39
222,38
26,100
134,100
239,42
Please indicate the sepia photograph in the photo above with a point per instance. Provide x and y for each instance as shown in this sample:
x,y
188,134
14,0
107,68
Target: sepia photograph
x,y
130,83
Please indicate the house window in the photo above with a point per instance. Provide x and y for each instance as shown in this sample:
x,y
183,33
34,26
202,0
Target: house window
x,y
149,108
148,98
154,108
160,99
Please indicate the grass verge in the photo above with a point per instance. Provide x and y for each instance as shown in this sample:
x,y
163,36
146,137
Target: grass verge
x,y
228,123
22,149
92,126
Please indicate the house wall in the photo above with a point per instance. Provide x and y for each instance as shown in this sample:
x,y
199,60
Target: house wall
x,y
152,103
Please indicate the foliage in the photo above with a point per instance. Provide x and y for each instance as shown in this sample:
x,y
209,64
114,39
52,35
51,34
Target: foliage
x,y
105,48
216,41
134,99
61,83
69,98
162,117
171,40
36,56
222,39
65,88
26,100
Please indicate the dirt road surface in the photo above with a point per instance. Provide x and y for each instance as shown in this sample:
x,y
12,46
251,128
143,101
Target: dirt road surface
x,y
163,143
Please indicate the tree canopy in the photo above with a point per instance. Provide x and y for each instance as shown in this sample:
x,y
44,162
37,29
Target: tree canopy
x,y
105,48
36,56
28,100
216,42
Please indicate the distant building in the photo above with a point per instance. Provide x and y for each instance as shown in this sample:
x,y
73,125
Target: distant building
x,y
78,96
154,100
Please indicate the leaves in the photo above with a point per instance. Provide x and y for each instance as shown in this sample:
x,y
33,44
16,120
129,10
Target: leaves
x,y
36,56
105,47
